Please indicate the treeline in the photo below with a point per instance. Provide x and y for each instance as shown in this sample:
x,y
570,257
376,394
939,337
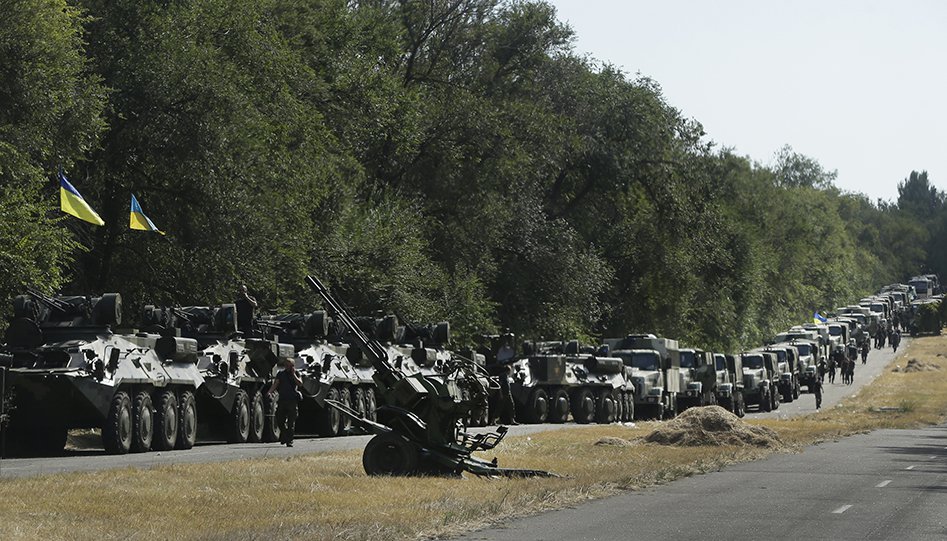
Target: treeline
x,y
446,159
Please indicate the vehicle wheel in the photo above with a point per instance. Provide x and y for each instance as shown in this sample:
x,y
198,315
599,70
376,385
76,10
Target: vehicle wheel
x,y
271,431
775,397
606,407
787,396
537,409
108,310
358,401
239,429
345,421
329,418
583,407
727,404
795,391
766,403
257,418
187,421
166,421
370,404
390,454
117,432
142,423
559,407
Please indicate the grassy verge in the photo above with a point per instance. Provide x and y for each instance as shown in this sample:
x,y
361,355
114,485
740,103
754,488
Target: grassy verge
x,y
327,496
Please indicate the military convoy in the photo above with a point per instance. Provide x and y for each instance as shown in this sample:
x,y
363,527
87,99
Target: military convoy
x,y
70,363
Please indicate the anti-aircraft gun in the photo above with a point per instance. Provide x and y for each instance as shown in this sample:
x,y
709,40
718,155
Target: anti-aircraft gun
x,y
418,427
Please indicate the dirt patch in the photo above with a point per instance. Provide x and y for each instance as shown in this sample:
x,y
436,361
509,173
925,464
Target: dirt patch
x,y
83,438
713,425
618,442
915,365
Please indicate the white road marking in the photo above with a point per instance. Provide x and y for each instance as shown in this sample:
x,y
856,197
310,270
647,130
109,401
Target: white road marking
x,y
883,484
909,468
841,510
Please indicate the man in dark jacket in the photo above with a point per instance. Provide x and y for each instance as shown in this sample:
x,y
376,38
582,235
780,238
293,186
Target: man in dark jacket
x,y
816,388
287,383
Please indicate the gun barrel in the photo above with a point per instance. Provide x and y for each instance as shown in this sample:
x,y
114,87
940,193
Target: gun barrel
x,y
372,348
48,301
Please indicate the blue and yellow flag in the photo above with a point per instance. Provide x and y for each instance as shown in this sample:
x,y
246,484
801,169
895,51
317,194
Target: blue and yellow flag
x,y
819,319
138,220
72,203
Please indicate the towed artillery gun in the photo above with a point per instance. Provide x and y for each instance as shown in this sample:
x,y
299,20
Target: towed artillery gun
x,y
418,427
67,369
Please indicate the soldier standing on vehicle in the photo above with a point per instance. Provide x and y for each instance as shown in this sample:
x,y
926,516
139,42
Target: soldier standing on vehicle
x,y
287,383
816,388
246,305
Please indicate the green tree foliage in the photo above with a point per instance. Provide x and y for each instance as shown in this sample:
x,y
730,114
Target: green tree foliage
x,y
50,107
446,159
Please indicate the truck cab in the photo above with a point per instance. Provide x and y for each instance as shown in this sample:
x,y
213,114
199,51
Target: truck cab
x,y
655,372
758,369
698,379
729,369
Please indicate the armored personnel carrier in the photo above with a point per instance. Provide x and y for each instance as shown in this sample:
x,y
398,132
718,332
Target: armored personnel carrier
x,y
68,369
237,369
555,379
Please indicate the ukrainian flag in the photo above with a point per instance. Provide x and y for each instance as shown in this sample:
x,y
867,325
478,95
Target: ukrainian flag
x,y
138,220
819,319
72,203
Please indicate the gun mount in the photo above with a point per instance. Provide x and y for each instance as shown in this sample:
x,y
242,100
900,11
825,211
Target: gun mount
x,y
419,426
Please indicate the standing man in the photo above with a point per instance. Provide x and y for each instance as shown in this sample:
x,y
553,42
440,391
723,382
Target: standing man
x,y
816,388
866,347
895,340
507,407
246,305
287,383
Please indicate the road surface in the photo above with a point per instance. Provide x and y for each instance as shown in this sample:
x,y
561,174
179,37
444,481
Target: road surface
x,y
889,484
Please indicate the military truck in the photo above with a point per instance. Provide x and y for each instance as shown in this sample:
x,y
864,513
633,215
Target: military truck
x,y
557,373
923,286
729,390
655,372
810,355
760,377
67,369
788,361
698,377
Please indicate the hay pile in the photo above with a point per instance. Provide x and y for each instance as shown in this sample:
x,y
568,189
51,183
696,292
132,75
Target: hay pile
x,y
915,365
712,425
617,442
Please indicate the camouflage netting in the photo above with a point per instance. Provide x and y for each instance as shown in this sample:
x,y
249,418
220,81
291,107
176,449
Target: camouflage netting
x,y
915,365
712,425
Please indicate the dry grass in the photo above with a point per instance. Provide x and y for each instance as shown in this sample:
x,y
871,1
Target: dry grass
x,y
327,496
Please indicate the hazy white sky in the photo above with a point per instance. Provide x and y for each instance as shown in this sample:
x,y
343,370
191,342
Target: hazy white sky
x,y
859,85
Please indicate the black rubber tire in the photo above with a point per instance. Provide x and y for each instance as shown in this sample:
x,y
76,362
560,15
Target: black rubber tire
x,y
795,390
317,324
187,421
390,454
329,419
358,401
257,417
117,432
271,431
787,396
166,421
537,408
370,404
442,333
559,407
583,406
606,407
239,426
346,425
143,426
728,404
108,310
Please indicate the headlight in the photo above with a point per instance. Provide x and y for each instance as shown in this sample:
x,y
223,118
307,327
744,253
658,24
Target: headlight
x,y
695,386
726,387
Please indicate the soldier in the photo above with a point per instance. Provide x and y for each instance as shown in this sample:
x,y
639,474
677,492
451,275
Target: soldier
x,y
833,364
816,388
245,305
287,383
822,369
507,408
866,347
895,340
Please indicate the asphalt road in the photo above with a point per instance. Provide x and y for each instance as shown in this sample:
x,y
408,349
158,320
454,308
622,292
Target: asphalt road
x,y
96,459
833,393
890,484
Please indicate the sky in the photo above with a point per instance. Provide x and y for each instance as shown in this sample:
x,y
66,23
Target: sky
x,y
858,85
